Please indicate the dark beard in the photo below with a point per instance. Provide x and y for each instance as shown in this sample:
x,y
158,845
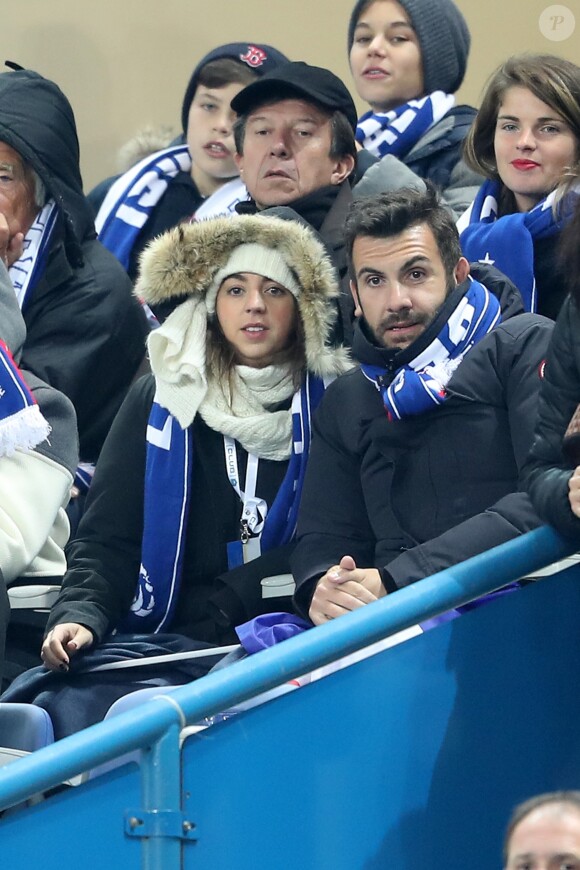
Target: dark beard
x,y
403,318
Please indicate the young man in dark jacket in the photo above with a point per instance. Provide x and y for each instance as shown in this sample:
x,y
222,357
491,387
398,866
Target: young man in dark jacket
x,y
168,186
416,453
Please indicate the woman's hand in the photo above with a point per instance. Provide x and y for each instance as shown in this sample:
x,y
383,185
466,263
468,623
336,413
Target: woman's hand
x,y
574,492
62,642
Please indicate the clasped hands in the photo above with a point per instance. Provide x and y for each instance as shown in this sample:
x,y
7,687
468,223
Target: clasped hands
x,y
343,588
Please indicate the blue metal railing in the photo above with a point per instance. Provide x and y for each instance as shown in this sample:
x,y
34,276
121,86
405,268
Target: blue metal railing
x,y
218,691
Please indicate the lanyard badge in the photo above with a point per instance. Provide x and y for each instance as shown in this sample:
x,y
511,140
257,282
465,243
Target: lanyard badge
x,y
254,510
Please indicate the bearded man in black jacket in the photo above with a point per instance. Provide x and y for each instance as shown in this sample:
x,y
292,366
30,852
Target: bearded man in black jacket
x,y
416,453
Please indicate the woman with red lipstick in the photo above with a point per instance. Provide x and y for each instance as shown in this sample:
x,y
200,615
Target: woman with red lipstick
x,y
408,59
526,141
196,496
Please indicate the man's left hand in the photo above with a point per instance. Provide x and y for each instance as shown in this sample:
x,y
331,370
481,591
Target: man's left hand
x,y
344,587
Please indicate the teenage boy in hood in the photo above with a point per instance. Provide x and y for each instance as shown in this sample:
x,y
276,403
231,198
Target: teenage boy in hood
x,y
170,185
422,472
85,331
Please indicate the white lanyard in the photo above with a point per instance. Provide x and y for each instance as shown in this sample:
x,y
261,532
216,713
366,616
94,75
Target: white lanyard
x,y
254,509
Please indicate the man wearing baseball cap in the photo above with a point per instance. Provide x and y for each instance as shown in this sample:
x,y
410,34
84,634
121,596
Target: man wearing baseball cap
x,y
295,146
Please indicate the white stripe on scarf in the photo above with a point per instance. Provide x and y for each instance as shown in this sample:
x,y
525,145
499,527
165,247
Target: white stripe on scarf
x,y
148,181
223,202
397,131
25,272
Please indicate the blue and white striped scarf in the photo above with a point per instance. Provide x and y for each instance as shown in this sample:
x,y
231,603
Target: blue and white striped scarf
x,y
397,131
168,483
131,199
133,196
420,385
507,242
223,201
26,271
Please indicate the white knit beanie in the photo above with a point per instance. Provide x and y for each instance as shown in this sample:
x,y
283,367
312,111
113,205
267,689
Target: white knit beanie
x,y
259,260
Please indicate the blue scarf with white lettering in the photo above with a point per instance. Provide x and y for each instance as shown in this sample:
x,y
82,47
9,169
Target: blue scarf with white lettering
x,y
507,242
134,195
420,385
397,131
168,482
26,271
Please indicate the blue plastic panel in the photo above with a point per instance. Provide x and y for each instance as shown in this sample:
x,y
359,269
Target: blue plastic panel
x,y
82,826
411,759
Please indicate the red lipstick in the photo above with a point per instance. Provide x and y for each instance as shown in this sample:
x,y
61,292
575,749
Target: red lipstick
x,y
524,165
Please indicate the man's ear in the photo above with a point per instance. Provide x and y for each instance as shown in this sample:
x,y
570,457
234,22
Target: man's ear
x,y
461,270
343,166
358,312
239,161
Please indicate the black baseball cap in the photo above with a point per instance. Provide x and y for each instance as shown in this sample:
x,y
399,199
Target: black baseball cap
x,y
298,79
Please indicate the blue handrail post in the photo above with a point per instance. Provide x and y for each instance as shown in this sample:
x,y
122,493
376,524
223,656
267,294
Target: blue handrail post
x,y
160,822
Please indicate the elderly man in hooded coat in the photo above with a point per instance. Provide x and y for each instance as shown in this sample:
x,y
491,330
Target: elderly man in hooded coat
x,y
85,331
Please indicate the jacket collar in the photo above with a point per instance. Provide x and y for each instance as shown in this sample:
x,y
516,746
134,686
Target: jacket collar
x,y
313,208
450,130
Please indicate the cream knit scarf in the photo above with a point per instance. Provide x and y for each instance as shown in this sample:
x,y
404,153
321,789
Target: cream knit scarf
x,y
244,412
185,388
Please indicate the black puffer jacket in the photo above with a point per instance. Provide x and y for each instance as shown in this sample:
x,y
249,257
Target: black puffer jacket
x,y
547,471
85,331
417,495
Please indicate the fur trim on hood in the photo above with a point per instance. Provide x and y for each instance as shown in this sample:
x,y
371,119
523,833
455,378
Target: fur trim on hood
x,y
181,264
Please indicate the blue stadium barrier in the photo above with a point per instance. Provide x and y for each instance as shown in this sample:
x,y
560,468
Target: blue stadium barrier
x,y
410,758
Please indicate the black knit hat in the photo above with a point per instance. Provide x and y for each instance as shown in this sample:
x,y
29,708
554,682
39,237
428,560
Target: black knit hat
x,y
259,58
298,79
443,36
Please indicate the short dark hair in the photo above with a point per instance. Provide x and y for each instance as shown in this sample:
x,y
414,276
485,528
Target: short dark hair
x,y
342,141
225,71
551,79
563,798
388,214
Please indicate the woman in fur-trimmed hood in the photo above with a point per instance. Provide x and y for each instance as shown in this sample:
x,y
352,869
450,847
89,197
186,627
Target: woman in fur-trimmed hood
x,y
195,497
